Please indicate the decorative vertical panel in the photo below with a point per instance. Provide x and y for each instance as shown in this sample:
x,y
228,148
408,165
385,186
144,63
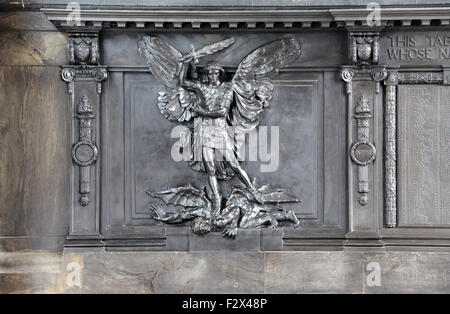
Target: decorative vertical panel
x,y
390,151
84,79
362,151
84,152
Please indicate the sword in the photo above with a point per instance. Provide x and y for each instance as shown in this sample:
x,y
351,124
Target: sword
x,y
207,50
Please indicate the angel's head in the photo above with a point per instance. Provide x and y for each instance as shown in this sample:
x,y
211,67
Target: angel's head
x,y
213,71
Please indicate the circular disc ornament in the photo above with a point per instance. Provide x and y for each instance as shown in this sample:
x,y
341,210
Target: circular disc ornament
x,y
363,153
84,153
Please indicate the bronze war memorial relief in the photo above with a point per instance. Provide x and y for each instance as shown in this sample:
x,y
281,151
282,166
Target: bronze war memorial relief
x,y
221,112
170,111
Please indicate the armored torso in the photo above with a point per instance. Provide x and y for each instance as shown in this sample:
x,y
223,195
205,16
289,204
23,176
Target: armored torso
x,y
214,97
215,131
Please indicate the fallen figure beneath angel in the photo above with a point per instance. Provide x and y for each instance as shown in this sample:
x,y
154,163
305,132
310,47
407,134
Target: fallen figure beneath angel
x,y
241,210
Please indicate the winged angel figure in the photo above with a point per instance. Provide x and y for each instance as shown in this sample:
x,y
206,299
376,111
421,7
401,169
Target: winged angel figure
x,y
222,110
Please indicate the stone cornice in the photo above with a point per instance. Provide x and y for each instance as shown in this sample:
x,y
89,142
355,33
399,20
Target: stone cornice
x,y
405,15
179,18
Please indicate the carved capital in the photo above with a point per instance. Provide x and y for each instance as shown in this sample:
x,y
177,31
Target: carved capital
x,y
391,79
98,73
378,73
67,75
347,74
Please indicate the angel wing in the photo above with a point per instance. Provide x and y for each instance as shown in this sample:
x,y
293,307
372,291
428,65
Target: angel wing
x,y
162,60
251,83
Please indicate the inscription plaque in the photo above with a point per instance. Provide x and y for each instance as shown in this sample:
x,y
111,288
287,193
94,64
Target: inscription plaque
x,y
424,152
415,48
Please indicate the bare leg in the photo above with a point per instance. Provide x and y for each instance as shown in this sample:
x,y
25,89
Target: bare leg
x,y
208,157
260,221
242,174
236,166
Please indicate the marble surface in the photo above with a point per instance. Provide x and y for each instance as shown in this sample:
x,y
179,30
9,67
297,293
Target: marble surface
x,y
219,272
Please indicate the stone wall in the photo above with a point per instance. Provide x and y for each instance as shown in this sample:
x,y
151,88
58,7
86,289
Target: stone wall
x,y
33,147
220,272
